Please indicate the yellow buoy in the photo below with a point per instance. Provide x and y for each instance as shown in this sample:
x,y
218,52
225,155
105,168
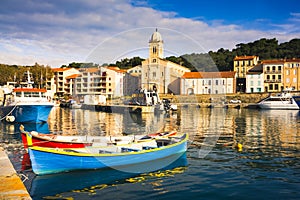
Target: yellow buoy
x,y
239,147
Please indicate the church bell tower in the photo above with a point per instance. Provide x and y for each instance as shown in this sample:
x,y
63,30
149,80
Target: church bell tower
x,y
156,47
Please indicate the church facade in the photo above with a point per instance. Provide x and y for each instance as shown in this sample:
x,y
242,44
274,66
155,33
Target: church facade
x,y
158,73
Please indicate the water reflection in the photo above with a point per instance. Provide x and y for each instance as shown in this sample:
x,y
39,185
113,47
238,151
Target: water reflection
x,y
206,127
270,140
88,182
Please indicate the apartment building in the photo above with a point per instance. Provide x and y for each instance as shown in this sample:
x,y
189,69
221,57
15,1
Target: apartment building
x,y
273,75
107,81
241,65
59,85
291,74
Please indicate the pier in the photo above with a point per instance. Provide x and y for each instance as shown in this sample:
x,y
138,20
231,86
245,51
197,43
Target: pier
x,y
11,186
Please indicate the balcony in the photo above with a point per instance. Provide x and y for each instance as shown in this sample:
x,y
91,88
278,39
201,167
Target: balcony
x,y
273,72
273,81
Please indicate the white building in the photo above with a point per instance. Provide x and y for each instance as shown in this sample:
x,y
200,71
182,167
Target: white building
x,y
207,83
255,79
107,81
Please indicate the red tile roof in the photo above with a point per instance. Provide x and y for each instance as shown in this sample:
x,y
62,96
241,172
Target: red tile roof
x,y
245,57
272,61
194,75
60,69
72,76
116,69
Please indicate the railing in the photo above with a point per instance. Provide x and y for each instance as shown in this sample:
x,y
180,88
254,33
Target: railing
x,y
273,81
273,72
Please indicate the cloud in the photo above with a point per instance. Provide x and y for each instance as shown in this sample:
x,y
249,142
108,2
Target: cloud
x,y
59,32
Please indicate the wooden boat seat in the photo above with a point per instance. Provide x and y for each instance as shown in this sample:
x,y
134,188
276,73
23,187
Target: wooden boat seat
x,y
148,147
124,149
104,151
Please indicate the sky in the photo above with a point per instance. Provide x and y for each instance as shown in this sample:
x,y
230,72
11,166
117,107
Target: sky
x,y
58,32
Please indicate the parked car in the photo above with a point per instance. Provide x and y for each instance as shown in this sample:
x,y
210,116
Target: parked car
x,y
235,101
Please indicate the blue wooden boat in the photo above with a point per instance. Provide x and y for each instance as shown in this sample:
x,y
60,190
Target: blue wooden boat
x,y
53,160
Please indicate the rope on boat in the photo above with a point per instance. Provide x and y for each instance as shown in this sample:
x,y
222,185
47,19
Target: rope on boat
x,y
9,112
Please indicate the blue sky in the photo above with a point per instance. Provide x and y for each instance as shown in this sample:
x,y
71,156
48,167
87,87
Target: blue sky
x,y
57,32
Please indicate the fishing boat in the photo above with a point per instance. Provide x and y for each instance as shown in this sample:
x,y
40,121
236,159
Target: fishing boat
x,y
26,104
281,101
146,101
76,141
56,160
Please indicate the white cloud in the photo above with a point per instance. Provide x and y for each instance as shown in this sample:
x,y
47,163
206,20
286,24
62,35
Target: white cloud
x,y
57,33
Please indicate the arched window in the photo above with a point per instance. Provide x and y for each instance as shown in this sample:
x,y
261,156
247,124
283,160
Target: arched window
x,y
154,49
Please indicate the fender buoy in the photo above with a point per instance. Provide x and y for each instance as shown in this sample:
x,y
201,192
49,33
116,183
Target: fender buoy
x,y
10,118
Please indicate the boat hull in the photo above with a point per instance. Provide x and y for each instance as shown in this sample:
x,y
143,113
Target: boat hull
x,y
52,143
281,106
31,113
49,160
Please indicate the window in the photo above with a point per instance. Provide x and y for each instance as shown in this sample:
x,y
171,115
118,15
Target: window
x,y
273,68
279,77
287,80
273,77
251,83
268,68
209,82
154,50
217,82
276,87
295,71
154,74
268,77
154,60
271,87
287,72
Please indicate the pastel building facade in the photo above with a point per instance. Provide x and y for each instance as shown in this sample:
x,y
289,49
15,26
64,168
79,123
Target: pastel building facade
x,y
107,81
273,75
207,83
291,74
60,83
255,80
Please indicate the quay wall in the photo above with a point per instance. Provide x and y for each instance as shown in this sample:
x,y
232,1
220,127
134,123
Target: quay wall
x,y
252,98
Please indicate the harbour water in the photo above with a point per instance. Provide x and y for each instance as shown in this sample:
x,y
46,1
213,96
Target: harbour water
x,y
266,166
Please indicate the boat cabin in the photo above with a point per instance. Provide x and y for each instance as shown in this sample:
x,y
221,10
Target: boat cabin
x,y
144,97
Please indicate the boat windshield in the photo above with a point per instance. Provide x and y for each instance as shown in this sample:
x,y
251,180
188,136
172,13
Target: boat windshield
x,y
31,94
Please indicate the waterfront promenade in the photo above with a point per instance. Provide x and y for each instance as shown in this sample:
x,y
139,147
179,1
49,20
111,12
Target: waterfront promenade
x,y
11,186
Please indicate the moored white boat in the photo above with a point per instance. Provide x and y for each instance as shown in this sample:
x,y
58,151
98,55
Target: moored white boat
x,y
282,101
